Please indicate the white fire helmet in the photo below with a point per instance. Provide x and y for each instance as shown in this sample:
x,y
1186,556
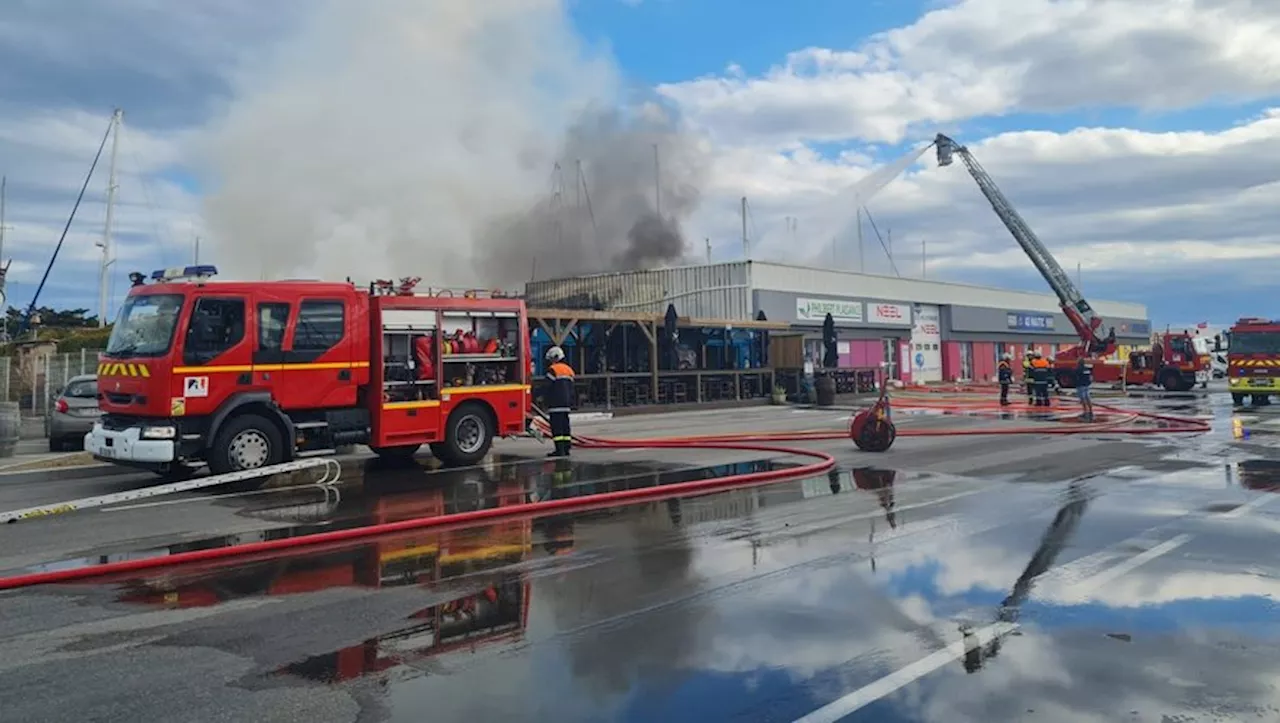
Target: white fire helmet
x,y
555,354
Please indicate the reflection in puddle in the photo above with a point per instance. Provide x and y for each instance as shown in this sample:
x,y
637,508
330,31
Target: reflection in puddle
x,y
391,493
1257,474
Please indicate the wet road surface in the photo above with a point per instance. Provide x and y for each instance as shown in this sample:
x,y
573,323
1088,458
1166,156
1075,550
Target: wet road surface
x,y
966,579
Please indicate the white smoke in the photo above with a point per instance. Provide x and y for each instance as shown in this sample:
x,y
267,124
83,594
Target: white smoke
x,y
385,138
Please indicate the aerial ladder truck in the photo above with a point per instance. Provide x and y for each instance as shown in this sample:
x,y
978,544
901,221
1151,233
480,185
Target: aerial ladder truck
x,y
1172,362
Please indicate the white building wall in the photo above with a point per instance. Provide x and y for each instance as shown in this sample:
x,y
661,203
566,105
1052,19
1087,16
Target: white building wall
x,y
926,344
801,280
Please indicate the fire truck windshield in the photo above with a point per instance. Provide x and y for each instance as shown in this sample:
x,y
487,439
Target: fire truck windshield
x,y
1255,342
145,326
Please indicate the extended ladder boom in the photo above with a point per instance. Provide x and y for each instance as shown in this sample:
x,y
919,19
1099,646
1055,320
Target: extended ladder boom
x,y
1086,321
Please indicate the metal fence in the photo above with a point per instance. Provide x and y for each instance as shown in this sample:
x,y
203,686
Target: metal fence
x,y
34,382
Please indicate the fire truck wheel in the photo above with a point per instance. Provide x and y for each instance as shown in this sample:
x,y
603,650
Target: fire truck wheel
x,y
1237,399
468,435
1172,382
245,442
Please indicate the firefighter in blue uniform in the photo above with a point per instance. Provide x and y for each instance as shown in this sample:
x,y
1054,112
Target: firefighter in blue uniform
x,y
559,399
1004,373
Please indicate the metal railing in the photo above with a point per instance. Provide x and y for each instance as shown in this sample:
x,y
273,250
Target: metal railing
x,y
35,381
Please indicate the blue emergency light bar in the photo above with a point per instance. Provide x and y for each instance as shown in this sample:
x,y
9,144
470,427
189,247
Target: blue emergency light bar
x,y
188,272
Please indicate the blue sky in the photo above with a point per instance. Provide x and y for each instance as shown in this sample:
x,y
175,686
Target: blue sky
x,y
293,139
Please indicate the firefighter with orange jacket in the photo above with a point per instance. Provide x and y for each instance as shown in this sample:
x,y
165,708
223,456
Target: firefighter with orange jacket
x,y
1041,376
559,400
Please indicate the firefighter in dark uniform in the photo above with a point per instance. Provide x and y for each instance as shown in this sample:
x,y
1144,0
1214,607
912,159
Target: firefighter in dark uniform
x,y
1026,376
1041,375
1004,372
559,400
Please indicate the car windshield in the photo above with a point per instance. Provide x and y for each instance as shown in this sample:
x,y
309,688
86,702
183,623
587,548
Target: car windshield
x,y
83,389
1255,342
145,325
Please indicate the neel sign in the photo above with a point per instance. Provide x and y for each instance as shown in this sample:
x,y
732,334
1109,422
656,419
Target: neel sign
x,y
890,314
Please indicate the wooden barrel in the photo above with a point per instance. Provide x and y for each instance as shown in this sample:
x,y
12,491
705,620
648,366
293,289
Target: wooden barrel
x,y
826,389
10,428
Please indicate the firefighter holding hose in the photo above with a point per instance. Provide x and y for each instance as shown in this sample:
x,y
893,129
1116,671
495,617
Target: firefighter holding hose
x,y
559,399
1004,373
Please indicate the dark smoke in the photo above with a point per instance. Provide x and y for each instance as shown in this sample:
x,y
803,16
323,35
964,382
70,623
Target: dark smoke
x,y
602,210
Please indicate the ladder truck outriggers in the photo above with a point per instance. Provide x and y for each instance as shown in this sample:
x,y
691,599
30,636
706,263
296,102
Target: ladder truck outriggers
x,y
1172,362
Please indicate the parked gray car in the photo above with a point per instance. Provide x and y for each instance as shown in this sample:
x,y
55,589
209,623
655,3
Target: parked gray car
x,y
74,410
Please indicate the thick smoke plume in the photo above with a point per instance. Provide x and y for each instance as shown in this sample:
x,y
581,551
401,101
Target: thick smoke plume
x,y
419,137
623,184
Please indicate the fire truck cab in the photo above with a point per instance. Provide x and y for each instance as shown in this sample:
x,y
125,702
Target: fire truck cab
x,y
241,375
1253,360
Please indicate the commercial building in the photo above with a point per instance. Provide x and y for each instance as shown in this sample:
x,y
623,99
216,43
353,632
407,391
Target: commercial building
x,y
925,330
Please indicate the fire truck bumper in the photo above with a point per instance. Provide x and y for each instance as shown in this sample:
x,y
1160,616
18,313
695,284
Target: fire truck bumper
x,y
127,446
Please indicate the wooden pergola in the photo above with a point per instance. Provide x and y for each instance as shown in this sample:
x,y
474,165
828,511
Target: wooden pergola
x,y
561,325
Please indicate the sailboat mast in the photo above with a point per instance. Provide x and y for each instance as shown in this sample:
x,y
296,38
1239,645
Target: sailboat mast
x,y
104,272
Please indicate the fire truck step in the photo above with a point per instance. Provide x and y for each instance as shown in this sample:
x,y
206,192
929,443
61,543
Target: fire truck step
x,y
310,425
315,453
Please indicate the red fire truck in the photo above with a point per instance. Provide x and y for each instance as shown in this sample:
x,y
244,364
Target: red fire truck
x,y
241,375
1172,362
1253,360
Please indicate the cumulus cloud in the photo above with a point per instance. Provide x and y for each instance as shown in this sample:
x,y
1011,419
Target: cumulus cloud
x,y
978,58
1112,200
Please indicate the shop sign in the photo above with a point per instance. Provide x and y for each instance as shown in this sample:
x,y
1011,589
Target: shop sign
x,y
816,310
1030,322
889,314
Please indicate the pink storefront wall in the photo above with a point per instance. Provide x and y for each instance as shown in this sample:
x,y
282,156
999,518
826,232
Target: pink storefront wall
x,y
950,360
984,360
863,354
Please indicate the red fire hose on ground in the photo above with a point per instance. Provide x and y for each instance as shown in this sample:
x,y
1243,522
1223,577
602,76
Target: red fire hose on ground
x,y
876,419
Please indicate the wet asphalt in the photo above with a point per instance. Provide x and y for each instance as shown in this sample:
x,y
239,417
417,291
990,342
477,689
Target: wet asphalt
x,y
1090,578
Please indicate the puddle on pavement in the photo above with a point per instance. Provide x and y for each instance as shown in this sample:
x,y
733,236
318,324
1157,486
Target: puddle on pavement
x,y
1256,474
392,493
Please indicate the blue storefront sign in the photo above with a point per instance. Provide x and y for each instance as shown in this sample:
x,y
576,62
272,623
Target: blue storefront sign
x,y
1030,322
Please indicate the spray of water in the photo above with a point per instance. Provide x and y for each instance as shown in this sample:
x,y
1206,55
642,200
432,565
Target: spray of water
x,y
416,137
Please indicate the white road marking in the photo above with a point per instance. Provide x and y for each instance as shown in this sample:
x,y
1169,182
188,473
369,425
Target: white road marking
x,y
901,678
891,683
1124,568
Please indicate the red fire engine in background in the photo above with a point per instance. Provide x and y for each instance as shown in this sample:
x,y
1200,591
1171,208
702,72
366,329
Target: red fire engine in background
x,y
1253,360
241,375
